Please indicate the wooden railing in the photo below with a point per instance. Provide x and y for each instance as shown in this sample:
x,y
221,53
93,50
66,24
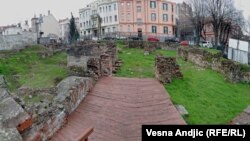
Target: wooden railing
x,y
84,136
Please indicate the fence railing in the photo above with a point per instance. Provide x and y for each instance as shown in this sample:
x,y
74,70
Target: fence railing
x,y
85,135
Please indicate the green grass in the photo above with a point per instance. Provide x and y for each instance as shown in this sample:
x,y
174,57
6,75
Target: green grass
x,y
26,68
207,96
213,51
136,64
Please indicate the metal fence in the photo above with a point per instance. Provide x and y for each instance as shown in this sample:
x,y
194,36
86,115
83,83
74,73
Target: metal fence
x,y
239,55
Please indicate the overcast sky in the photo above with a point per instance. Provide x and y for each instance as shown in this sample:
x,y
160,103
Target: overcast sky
x,y
14,11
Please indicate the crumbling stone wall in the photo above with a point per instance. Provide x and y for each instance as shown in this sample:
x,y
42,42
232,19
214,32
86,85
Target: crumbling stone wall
x,y
166,69
12,116
233,71
93,59
49,116
39,120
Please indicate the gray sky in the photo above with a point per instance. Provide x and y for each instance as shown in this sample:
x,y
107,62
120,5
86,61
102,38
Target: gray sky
x,y
14,11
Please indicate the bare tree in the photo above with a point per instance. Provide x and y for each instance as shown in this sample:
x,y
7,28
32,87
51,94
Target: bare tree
x,y
247,26
220,12
198,17
231,27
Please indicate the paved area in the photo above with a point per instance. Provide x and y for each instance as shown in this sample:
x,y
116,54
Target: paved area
x,y
117,107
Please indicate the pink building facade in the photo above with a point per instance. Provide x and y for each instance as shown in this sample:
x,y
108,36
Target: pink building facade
x,y
151,17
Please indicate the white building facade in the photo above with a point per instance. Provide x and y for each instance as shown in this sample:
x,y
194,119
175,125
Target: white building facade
x,y
99,17
12,30
46,26
64,29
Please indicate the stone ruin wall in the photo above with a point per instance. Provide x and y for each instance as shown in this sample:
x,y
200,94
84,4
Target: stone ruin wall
x,y
232,70
166,69
93,59
39,121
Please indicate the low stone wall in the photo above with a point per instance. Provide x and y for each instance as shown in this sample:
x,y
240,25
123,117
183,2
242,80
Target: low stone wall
x,y
233,71
10,42
12,115
49,116
166,69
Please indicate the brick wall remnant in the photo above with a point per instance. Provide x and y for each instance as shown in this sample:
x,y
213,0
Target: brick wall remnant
x,y
166,69
93,59
233,71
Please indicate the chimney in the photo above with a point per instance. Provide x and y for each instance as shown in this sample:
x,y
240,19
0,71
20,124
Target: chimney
x,y
49,12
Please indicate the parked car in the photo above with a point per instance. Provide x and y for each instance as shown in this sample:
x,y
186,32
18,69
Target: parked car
x,y
153,39
120,37
171,40
206,44
134,38
108,38
184,43
94,38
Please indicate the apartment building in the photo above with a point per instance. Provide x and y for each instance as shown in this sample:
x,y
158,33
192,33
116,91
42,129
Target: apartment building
x,y
99,17
151,17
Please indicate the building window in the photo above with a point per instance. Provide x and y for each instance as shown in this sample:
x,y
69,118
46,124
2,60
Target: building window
x,y
138,2
80,24
152,4
114,29
172,8
172,18
115,7
100,9
138,8
110,8
153,17
165,6
110,19
108,30
154,29
106,8
116,18
128,18
122,17
165,30
129,28
165,17
139,21
103,9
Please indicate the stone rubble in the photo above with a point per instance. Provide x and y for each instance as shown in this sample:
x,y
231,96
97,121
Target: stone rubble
x,y
166,69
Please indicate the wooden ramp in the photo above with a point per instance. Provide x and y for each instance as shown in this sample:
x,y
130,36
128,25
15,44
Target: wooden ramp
x,y
117,107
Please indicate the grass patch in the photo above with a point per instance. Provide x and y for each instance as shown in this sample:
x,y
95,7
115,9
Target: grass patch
x,y
136,64
213,51
207,96
27,68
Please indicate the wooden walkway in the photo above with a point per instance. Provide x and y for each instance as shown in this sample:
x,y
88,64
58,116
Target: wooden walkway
x,y
117,107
